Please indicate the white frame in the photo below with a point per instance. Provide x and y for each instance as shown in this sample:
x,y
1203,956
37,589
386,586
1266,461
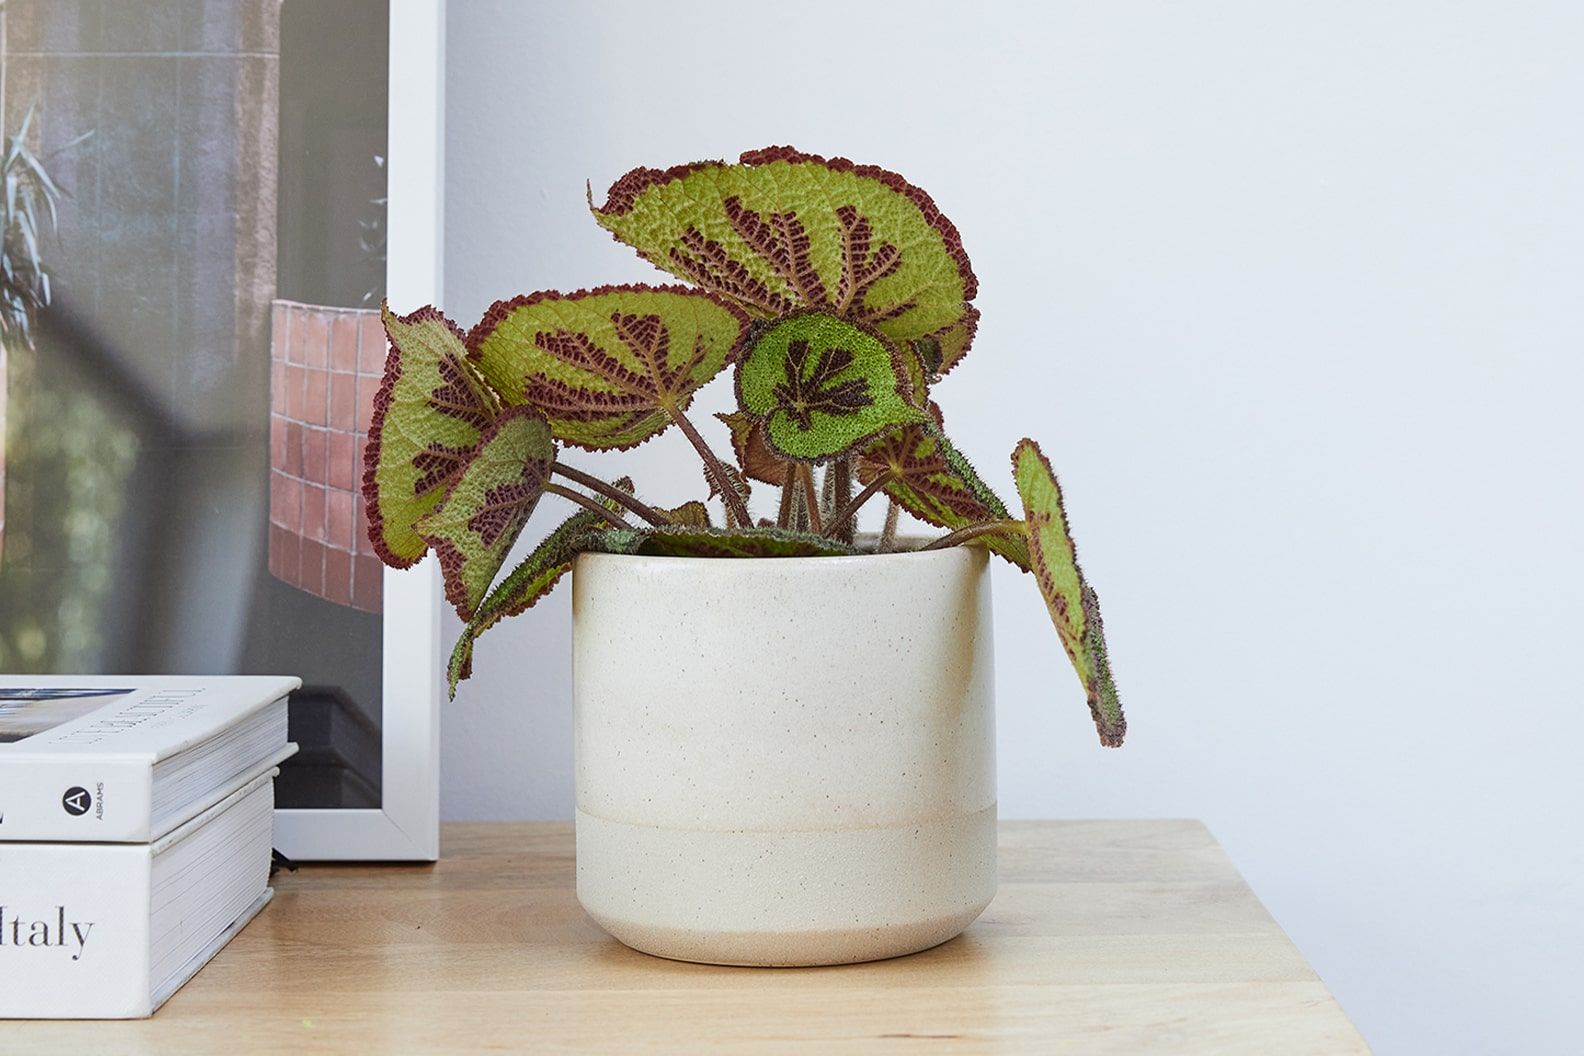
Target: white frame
x,y
406,827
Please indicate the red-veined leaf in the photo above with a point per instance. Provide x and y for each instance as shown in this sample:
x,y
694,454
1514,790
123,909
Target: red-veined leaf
x,y
531,580
487,505
782,230
429,412
1074,608
609,367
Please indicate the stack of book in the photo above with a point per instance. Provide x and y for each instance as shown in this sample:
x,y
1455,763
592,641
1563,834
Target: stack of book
x,y
135,833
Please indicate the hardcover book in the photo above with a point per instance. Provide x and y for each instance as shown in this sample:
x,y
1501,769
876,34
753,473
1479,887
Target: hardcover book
x,y
128,759
110,930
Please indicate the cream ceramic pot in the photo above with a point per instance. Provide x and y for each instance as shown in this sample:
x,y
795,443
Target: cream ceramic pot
x,y
784,761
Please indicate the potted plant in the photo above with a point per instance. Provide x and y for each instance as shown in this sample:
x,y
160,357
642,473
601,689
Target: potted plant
x,y
786,760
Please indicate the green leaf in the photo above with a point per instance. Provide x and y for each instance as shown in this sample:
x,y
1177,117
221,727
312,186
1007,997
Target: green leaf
x,y
783,230
931,479
429,412
821,387
1074,608
608,367
484,511
531,580
719,542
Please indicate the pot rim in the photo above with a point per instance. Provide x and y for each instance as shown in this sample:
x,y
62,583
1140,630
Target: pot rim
x,y
972,552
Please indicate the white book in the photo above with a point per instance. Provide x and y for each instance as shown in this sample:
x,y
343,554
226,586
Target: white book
x,y
110,930
129,758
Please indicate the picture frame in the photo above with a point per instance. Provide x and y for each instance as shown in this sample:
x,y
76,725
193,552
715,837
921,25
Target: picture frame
x,y
406,825
193,354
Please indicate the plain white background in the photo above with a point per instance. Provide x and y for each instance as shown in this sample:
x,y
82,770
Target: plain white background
x,y
1293,295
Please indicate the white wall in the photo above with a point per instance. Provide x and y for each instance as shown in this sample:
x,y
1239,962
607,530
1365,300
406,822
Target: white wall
x,y
1293,295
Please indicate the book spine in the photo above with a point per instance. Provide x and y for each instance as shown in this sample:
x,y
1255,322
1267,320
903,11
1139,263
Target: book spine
x,y
104,799
74,931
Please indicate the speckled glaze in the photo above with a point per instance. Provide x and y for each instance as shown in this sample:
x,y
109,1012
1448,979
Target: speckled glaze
x,y
784,761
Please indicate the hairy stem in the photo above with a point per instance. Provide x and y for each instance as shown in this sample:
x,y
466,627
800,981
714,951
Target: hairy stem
x,y
712,466
588,503
611,492
800,518
841,497
788,489
974,531
888,533
732,521
811,497
840,521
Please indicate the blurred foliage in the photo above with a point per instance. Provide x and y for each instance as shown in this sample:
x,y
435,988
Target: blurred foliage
x,y
67,458
69,463
28,209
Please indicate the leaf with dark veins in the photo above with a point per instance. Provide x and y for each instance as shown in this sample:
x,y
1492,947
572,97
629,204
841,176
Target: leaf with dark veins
x,y
821,387
429,412
609,367
780,238
930,479
1074,607
782,230
485,508
535,577
806,391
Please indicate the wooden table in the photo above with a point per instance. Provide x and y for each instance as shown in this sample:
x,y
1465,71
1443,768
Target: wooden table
x,y
1127,937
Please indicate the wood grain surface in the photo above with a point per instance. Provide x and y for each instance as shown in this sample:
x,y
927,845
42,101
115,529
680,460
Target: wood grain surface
x,y
1126,937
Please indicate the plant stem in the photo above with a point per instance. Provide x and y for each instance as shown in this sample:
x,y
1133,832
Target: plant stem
x,y
611,492
843,517
811,497
841,495
712,466
974,531
800,520
731,518
788,488
591,504
888,533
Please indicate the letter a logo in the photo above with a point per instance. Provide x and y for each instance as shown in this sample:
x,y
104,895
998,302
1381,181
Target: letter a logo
x,y
76,801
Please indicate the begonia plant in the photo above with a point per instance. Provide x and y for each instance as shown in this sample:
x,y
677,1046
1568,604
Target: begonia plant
x,y
837,294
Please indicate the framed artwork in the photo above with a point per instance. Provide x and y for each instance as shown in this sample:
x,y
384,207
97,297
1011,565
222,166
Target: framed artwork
x,y
214,204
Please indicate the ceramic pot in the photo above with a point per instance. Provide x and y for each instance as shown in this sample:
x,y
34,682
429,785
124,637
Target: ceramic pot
x,y
784,761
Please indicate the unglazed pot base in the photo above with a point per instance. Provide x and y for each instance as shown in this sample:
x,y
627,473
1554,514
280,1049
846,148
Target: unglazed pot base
x,y
777,899
781,949
784,761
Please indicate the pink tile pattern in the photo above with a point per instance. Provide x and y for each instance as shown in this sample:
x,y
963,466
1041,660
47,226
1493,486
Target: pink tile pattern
x,y
325,366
